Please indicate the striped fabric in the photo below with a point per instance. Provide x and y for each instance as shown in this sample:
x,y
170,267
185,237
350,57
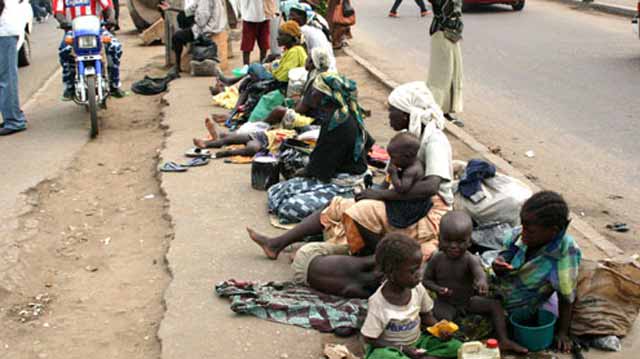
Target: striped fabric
x,y
75,8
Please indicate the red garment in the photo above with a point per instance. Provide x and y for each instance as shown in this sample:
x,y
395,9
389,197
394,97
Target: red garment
x,y
75,8
252,32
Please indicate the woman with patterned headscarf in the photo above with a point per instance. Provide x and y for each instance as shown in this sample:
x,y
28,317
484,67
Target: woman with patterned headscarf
x,y
338,162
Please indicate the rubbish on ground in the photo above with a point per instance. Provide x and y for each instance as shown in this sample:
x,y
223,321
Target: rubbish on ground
x,y
106,241
615,196
338,351
495,149
618,227
91,268
443,325
149,196
530,154
609,343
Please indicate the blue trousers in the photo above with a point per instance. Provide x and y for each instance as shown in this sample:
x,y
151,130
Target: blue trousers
x,y
9,100
68,62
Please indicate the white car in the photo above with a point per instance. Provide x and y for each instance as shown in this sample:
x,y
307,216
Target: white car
x,y
24,41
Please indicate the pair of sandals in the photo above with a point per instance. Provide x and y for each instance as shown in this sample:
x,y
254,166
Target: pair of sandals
x,y
199,157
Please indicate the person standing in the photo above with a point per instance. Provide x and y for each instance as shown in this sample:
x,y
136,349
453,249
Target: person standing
x,y
255,28
10,27
394,9
445,69
272,12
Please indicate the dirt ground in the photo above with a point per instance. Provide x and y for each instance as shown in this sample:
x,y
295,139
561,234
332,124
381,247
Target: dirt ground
x,y
95,240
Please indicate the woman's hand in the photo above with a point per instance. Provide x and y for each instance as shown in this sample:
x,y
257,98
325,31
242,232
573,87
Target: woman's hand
x,y
414,353
501,267
564,344
445,292
370,194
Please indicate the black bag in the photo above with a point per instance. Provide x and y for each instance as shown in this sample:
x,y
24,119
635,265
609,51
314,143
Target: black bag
x,y
293,156
204,49
151,85
347,9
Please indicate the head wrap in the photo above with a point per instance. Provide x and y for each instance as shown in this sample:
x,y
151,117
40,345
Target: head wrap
x,y
416,99
344,93
302,7
291,28
321,59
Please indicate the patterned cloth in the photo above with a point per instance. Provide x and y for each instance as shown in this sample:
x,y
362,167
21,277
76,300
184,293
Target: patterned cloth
x,y
288,303
295,199
68,62
553,269
343,92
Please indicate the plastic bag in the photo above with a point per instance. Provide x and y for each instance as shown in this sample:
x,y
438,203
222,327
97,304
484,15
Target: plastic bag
x,y
266,104
297,79
610,343
204,49
293,156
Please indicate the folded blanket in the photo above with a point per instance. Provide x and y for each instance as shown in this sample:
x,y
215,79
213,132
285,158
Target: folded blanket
x,y
289,303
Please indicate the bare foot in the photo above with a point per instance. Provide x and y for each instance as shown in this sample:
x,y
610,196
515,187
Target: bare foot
x,y
200,143
211,128
219,118
508,345
262,241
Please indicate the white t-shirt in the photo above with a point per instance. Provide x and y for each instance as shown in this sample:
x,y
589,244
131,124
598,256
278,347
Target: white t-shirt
x,y
252,10
12,19
314,37
436,155
397,324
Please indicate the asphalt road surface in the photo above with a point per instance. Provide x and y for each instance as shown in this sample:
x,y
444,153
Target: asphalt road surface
x,y
44,58
559,81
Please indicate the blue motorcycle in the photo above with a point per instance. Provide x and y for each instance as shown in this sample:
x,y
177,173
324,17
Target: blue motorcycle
x,y
91,82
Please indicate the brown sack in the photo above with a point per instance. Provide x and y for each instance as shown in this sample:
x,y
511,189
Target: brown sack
x,y
339,18
608,298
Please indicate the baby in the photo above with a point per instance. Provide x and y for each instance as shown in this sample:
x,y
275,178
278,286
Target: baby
x,y
404,168
459,280
401,307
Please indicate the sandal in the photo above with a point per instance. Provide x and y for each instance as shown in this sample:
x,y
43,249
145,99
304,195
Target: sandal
x,y
197,152
197,162
173,167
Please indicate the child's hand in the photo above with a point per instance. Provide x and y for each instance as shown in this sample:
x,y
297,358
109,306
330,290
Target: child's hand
x,y
500,266
445,292
445,335
414,353
481,286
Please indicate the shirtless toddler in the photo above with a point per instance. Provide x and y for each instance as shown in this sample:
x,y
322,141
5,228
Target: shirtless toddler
x,y
459,280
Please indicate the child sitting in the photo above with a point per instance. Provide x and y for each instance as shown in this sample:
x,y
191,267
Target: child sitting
x,y
403,172
401,307
456,275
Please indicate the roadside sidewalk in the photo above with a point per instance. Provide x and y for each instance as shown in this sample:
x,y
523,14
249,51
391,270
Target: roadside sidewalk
x,y
211,206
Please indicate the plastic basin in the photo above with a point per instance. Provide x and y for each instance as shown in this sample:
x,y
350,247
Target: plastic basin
x,y
533,333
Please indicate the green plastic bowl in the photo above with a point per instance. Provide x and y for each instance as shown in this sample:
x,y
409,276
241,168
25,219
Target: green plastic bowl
x,y
535,334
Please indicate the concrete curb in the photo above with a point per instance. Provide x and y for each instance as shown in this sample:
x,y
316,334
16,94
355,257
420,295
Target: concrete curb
x,y
610,249
604,7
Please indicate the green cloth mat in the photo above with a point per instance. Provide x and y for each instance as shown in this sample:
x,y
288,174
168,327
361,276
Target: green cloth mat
x,y
434,347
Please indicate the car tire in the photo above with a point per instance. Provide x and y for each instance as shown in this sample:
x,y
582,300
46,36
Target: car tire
x,y
24,54
518,6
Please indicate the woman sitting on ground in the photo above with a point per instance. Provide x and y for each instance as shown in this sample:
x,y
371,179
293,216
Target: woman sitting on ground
x,y
346,221
338,161
289,37
540,259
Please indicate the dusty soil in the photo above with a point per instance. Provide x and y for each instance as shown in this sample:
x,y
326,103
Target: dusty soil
x,y
96,236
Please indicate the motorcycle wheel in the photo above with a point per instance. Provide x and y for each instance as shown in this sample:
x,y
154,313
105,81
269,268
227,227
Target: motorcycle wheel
x,y
93,106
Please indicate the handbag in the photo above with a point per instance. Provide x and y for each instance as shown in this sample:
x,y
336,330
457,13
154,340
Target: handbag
x,y
339,14
347,9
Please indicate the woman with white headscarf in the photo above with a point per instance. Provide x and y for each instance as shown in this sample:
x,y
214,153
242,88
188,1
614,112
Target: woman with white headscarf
x,y
347,223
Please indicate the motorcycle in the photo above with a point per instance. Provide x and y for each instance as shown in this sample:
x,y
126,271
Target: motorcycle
x,y
86,37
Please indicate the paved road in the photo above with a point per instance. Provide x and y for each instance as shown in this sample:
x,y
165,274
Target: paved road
x,y
44,46
559,81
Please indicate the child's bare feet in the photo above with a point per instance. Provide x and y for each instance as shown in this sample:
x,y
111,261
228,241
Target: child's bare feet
x,y
262,241
200,143
508,345
211,128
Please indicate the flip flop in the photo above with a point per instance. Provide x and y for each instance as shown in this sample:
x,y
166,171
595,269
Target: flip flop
x,y
197,152
197,162
173,167
618,227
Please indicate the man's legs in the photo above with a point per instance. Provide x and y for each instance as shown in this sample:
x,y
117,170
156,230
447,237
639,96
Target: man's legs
x,y
116,8
224,140
344,275
421,5
263,39
179,40
274,25
249,33
114,55
272,246
68,63
9,101
394,8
